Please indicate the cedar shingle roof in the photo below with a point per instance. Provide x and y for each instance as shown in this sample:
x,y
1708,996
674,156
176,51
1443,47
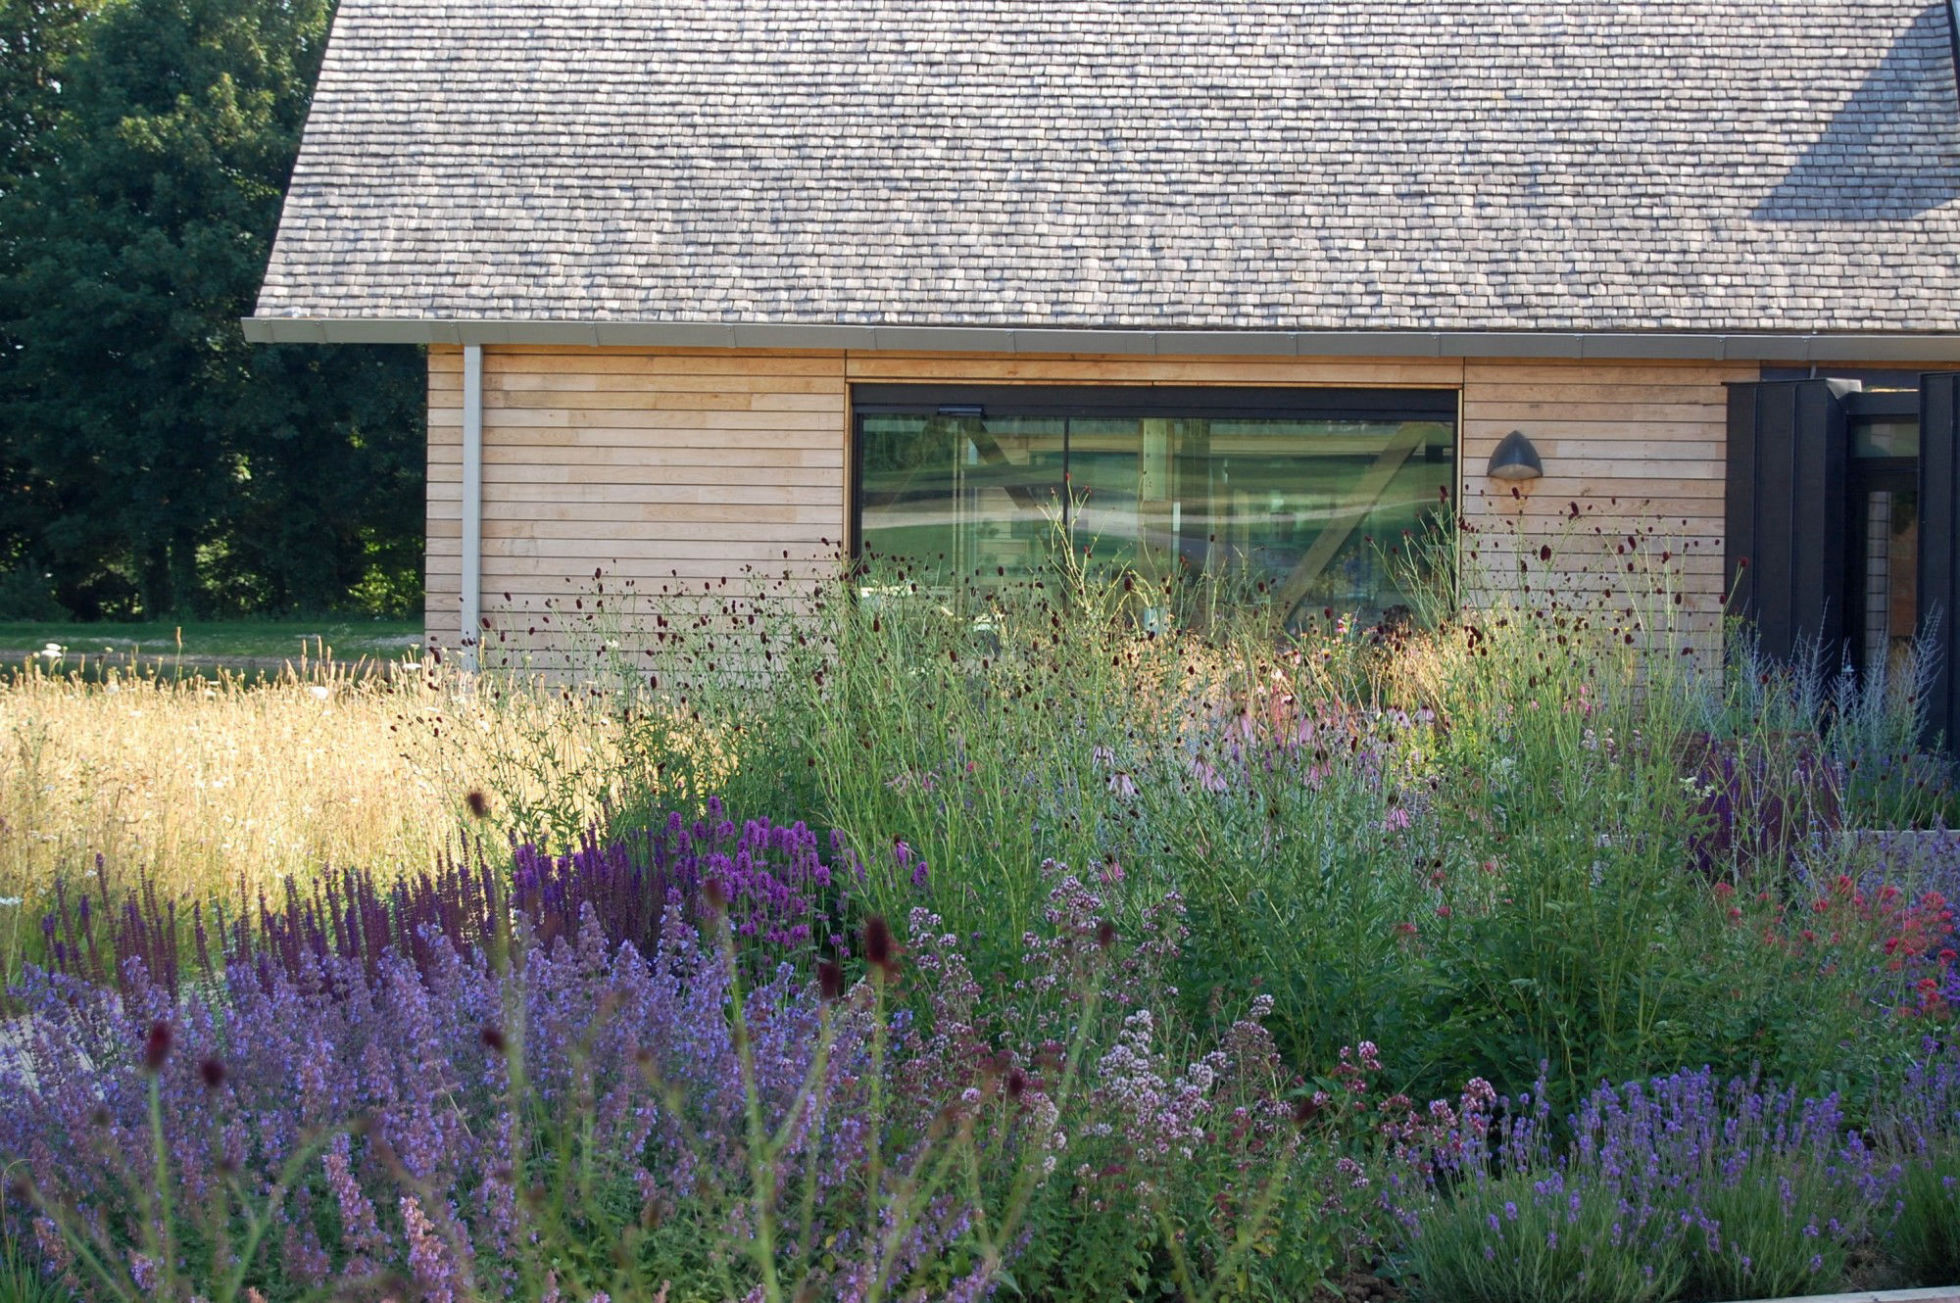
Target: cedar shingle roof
x,y
1700,165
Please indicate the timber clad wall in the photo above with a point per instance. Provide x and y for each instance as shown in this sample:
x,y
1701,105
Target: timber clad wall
x,y
666,466
657,468
1638,448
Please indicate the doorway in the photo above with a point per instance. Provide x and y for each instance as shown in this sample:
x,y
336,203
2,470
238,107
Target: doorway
x,y
1882,515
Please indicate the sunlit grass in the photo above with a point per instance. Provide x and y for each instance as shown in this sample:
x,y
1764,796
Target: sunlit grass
x,y
211,786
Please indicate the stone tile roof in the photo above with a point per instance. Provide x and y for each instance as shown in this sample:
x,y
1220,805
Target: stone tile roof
x,y
1718,165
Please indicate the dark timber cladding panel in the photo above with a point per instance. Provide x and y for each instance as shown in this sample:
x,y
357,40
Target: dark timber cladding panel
x,y
1939,540
1785,513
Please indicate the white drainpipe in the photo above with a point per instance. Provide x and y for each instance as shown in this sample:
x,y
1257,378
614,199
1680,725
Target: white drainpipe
x,y
472,621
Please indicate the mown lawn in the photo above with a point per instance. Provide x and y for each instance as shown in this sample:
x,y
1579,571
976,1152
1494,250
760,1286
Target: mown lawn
x,y
347,638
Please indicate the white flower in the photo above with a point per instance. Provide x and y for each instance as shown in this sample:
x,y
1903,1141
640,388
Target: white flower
x,y
9,900
54,651
320,691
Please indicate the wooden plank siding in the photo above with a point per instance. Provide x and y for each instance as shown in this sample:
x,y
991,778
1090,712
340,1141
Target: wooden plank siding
x,y
650,468
1631,499
687,465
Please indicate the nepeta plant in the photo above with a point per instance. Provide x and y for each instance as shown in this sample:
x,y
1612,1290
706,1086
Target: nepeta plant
x,y
574,1115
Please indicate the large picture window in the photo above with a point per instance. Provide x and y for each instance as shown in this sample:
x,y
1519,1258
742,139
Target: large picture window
x,y
1295,495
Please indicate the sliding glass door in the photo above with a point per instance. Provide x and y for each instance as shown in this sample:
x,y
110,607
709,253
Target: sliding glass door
x,y
1293,496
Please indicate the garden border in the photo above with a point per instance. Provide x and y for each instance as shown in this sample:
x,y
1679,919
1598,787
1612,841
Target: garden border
x,y
1933,1294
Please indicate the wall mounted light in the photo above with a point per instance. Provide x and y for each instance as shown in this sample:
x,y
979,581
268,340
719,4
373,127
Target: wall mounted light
x,y
1515,459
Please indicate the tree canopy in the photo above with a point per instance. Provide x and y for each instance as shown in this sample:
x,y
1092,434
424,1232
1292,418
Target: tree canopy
x,y
154,463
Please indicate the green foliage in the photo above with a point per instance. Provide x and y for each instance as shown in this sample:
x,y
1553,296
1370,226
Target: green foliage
x,y
37,39
1517,837
1767,1223
21,1281
156,463
1754,1254
1503,1246
27,594
1926,1238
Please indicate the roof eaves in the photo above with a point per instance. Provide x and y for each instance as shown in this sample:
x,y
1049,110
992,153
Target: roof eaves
x,y
1764,346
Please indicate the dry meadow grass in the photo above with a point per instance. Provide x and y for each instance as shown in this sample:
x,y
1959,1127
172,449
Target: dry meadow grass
x,y
203,784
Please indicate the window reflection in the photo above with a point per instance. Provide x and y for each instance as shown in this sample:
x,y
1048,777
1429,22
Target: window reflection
x,y
1296,508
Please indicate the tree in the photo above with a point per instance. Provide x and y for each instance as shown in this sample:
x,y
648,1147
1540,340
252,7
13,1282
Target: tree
x,y
36,38
162,464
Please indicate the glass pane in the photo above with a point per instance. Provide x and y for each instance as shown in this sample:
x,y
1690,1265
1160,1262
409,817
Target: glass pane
x,y
1891,611
1885,437
1308,508
960,494
1287,507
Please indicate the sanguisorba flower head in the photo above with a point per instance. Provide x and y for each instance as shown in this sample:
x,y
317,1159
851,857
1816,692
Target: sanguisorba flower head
x,y
156,1046
830,980
880,950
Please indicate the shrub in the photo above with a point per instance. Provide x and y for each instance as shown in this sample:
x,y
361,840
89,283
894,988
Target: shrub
x,y
1926,1238
1921,1128
1675,1188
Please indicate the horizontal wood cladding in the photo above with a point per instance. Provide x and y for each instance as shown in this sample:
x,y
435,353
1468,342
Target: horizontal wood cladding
x,y
685,466
635,469
1627,521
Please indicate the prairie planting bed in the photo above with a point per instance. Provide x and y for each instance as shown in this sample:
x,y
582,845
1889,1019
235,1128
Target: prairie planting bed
x,y
1052,942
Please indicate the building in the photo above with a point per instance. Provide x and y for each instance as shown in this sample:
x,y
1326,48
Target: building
x,y
708,284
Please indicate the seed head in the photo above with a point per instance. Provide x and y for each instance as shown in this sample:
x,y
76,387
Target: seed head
x,y
714,895
879,948
1017,1084
479,803
156,1046
1105,934
830,980
212,1072
493,1039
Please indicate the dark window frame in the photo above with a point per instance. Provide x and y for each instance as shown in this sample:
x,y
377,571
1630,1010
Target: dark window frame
x,y
1306,402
